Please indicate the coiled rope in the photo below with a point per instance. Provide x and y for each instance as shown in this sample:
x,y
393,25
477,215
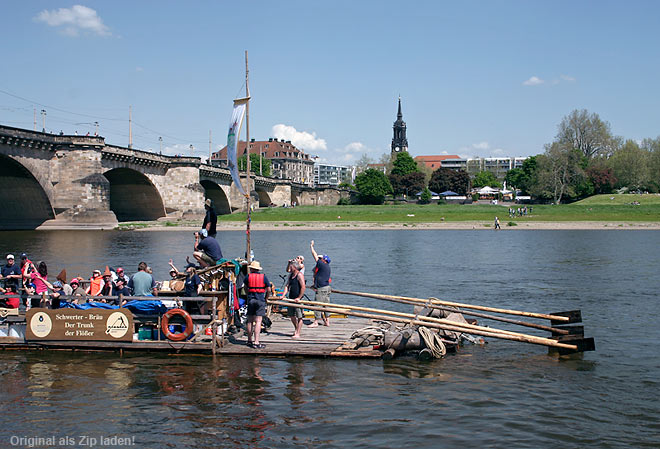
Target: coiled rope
x,y
433,342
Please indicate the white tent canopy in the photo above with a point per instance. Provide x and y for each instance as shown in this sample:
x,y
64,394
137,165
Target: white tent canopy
x,y
487,190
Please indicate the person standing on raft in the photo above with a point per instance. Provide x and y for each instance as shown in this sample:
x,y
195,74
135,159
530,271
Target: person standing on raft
x,y
321,285
295,287
257,286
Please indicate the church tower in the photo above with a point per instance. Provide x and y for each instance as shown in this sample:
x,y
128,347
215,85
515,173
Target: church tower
x,y
399,141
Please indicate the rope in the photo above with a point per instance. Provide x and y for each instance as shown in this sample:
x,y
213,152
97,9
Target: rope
x,y
433,342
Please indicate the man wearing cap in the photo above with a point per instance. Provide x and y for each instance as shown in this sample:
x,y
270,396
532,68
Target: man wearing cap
x,y
321,285
11,273
207,249
258,287
77,289
211,218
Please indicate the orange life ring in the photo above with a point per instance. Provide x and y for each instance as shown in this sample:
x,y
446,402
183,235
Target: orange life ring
x,y
164,325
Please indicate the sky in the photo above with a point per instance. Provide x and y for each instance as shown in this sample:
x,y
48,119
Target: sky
x,y
476,78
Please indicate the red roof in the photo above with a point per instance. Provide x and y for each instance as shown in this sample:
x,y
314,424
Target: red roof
x,y
435,161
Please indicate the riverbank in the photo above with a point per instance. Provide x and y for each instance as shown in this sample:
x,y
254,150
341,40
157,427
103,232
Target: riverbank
x,y
340,225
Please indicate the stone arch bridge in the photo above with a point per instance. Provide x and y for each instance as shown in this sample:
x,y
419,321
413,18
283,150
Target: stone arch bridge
x,y
61,181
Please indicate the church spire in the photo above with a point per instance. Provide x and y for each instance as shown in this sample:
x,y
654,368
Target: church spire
x,y
399,141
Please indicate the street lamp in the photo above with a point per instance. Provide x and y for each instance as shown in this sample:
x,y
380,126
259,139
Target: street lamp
x,y
43,120
160,142
192,150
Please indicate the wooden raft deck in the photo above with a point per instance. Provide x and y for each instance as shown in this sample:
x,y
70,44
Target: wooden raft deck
x,y
320,341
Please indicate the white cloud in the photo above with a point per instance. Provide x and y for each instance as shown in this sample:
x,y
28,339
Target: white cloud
x,y
139,69
183,150
481,146
567,78
301,139
72,21
498,152
533,81
349,154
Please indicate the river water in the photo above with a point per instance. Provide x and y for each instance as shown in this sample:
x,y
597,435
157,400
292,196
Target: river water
x,y
503,394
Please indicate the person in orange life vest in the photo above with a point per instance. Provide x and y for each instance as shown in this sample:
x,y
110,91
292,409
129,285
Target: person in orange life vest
x,y
321,285
95,283
258,287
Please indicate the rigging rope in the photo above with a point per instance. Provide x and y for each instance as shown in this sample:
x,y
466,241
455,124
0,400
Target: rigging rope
x,y
433,342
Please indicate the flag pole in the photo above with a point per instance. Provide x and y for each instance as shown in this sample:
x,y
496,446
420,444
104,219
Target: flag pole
x,y
247,152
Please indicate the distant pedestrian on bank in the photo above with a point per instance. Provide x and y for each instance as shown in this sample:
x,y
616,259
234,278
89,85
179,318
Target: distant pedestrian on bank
x,y
295,287
321,285
258,287
497,223
211,218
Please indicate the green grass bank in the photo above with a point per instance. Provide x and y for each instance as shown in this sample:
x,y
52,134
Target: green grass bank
x,y
596,208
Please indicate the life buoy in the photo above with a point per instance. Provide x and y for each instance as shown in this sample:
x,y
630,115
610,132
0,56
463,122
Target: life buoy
x,y
165,321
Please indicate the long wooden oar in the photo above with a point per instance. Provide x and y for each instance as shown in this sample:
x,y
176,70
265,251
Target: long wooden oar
x,y
422,301
521,337
429,319
554,330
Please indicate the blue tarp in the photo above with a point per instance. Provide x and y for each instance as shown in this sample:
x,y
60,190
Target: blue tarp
x,y
151,307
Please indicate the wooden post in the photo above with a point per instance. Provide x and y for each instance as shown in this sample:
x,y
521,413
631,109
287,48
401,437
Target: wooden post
x,y
214,326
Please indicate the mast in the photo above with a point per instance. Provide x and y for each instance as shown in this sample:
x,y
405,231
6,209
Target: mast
x,y
247,152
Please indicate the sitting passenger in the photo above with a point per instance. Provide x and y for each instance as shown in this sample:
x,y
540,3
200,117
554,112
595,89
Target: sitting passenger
x,y
95,283
106,288
120,289
207,249
13,301
76,288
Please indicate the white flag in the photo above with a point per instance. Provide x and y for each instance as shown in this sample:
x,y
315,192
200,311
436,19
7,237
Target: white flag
x,y
233,138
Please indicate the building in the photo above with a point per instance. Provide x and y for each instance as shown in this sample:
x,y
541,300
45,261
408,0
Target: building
x,y
399,141
498,166
331,175
287,161
445,160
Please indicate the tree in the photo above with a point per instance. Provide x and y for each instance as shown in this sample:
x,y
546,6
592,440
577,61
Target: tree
x,y
408,184
631,166
559,172
444,179
653,147
363,163
254,164
346,185
587,133
485,178
373,185
601,177
386,160
425,197
403,164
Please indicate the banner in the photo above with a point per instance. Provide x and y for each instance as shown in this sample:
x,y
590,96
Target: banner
x,y
233,139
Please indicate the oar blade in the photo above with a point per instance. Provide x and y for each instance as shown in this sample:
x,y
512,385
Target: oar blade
x,y
583,345
574,316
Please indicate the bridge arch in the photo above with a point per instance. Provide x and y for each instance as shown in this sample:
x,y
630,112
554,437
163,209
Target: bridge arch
x,y
220,201
25,204
294,198
264,198
133,196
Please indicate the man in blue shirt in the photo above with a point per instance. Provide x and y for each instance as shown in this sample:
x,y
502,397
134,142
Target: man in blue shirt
x,y
11,273
142,283
321,285
207,249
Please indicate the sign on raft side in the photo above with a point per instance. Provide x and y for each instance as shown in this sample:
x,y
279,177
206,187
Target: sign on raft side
x,y
73,324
